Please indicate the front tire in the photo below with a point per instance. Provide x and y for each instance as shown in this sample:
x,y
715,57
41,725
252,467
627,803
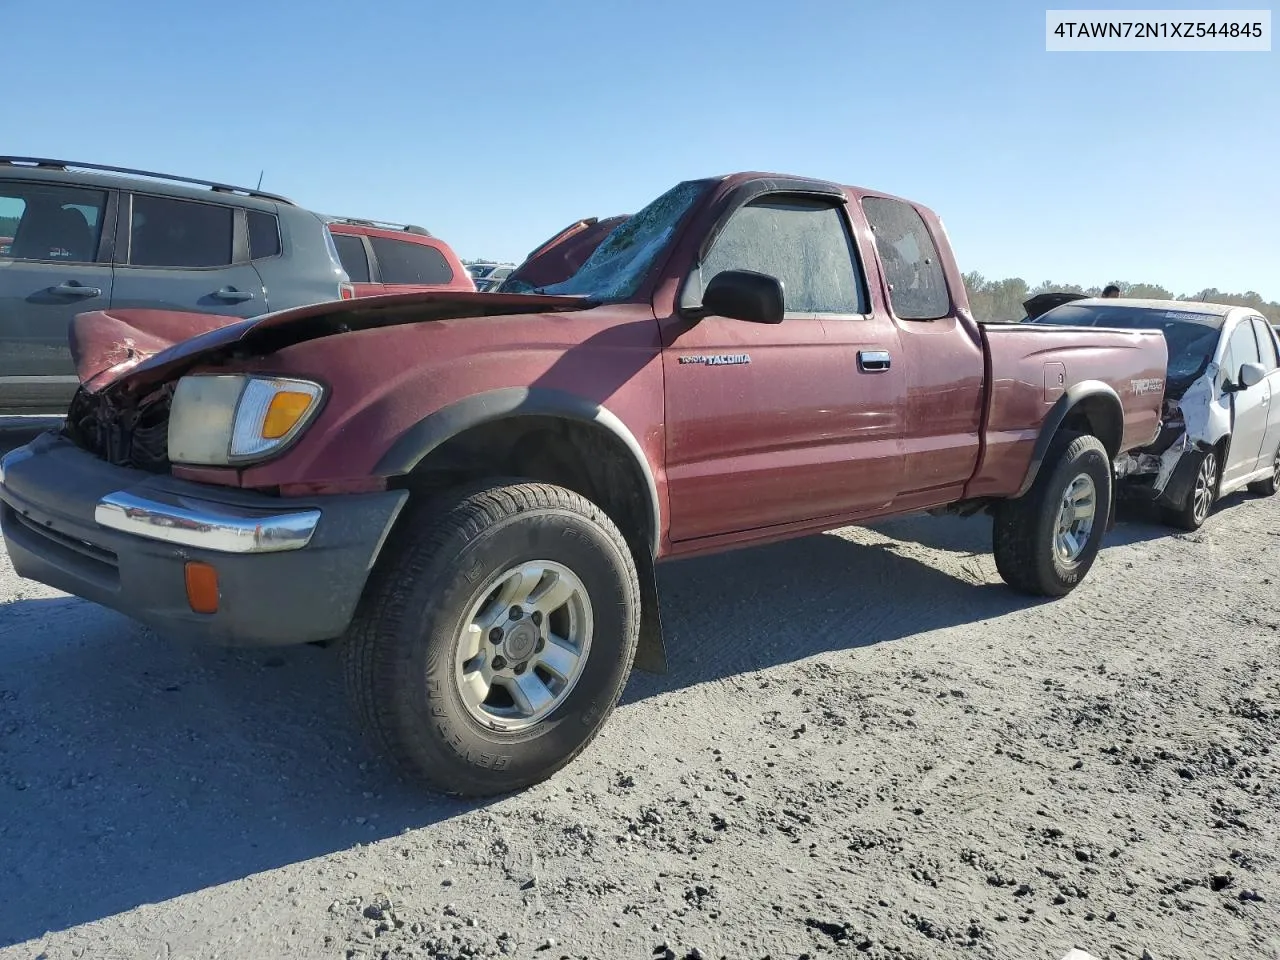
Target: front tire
x,y
1192,514
1047,539
495,637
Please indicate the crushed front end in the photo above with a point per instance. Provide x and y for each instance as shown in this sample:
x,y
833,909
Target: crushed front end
x,y
1164,471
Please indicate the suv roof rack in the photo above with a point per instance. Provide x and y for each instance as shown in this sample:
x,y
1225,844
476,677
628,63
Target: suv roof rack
x,y
211,184
383,224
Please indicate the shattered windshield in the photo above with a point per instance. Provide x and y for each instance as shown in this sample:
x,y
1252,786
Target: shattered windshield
x,y
616,267
1192,337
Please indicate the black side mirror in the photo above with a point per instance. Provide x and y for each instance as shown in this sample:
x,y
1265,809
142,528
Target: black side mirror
x,y
744,295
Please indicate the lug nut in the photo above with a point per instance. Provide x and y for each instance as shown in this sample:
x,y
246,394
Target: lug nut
x,y
521,667
538,647
499,663
536,617
516,613
495,635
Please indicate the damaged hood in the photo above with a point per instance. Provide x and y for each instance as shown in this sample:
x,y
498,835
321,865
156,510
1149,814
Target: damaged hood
x,y
150,345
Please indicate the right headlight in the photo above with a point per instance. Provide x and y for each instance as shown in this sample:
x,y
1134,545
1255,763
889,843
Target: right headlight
x,y
223,420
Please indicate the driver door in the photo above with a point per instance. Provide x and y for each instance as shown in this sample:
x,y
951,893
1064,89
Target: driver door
x,y
1249,406
774,424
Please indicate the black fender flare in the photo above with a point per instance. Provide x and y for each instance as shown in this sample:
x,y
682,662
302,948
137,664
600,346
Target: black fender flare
x,y
1057,415
413,446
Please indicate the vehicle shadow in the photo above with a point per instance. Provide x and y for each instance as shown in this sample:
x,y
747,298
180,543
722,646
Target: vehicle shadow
x,y
135,769
819,594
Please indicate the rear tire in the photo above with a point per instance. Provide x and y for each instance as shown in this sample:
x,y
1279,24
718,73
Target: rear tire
x,y
1047,539
1192,514
441,661
1268,487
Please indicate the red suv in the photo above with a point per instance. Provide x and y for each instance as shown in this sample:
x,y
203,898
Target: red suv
x,y
396,258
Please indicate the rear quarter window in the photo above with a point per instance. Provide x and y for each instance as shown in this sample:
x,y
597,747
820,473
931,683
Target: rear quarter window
x,y
917,285
264,235
354,259
405,262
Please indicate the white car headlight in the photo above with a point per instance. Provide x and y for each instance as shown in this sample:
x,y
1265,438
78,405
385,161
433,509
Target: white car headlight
x,y
217,420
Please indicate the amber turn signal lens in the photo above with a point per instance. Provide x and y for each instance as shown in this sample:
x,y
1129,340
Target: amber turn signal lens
x,y
287,408
202,587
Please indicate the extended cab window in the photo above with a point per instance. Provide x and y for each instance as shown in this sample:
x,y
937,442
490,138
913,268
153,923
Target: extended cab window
x,y
401,261
39,222
802,242
917,285
179,233
354,259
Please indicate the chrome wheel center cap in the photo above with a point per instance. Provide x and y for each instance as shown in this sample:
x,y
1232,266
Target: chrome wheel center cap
x,y
520,641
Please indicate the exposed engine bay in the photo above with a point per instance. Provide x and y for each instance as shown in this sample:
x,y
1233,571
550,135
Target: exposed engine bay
x,y
123,429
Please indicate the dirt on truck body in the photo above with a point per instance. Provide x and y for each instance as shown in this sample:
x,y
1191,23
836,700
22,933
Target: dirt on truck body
x,y
471,490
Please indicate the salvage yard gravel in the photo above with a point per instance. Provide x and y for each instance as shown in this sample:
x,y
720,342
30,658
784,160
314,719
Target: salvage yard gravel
x,y
866,747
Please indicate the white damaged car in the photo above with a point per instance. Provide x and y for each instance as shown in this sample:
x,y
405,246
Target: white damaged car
x,y
1221,418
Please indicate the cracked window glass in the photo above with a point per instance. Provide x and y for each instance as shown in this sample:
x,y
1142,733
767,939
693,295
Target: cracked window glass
x,y
803,243
917,285
616,267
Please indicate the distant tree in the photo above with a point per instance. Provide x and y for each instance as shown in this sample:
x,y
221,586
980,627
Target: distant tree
x,y
1145,291
1002,299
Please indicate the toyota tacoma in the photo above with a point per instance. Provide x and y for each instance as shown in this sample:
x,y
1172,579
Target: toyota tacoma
x,y
470,491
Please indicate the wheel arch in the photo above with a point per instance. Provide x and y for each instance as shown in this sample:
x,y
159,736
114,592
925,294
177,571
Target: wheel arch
x,y
554,437
1089,406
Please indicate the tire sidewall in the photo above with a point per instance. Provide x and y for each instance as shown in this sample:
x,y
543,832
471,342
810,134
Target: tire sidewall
x,y
437,613
1092,460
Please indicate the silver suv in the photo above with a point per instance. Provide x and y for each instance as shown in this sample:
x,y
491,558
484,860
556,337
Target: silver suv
x,y
76,237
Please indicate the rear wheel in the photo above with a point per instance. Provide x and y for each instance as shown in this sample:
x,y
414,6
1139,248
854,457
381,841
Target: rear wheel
x,y
1047,539
1268,487
1201,497
496,637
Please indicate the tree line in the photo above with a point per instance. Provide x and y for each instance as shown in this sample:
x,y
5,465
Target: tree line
x,y
1002,299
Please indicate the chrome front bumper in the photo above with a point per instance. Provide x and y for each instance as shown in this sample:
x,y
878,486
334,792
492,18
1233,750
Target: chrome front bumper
x,y
289,570
209,526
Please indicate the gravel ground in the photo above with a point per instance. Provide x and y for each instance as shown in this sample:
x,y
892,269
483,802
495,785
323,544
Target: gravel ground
x,y
866,747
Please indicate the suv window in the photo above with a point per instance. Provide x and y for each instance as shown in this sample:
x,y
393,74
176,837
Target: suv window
x,y
264,235
802,242
1266,344
402,261
179,233
917,285
39,222
354,260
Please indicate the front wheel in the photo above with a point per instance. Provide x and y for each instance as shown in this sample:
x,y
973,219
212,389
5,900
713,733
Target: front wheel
x,y
495,637
1200,498
1047,539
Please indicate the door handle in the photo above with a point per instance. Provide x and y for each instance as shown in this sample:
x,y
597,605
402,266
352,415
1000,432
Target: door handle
x,y
73,288
232,295
874,361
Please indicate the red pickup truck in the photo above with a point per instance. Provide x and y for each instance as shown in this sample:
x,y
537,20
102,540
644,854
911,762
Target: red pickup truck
x,y
472,489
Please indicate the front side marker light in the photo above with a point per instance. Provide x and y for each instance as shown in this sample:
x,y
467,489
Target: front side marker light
x,y
202,587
